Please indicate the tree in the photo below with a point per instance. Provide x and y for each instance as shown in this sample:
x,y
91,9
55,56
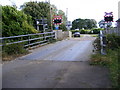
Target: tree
x,y
63,27
15,22
77,24
38,10
62,13
84,23
90,23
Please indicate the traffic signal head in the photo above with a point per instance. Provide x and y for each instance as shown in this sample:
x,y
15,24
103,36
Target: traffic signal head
x,y
108,18
57,21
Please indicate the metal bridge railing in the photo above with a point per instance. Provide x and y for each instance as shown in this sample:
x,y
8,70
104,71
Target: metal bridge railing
x,y
28,40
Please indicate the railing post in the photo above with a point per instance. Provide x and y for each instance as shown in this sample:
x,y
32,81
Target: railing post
x,y
44,36
102,43
28,41
54,35
3,42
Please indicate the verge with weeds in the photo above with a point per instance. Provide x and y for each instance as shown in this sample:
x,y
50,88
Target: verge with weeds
x,y
111,60
12,51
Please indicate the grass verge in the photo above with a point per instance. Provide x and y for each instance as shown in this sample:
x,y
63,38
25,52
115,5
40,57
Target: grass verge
x,y
10,52
112,62
94,35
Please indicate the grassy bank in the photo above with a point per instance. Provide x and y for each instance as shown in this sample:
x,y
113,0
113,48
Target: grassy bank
x,y
111,61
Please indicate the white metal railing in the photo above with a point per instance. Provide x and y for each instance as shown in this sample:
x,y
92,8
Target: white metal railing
x,y
29,39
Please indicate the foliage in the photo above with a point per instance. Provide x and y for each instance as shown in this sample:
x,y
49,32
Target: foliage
x,y
82,32
63,27
111,60
84,23
64,18
15,22
94,35
99,59
73,31
96,30
96,45
38,10
114,66
41,10
113,41
88,31
13,49
9,52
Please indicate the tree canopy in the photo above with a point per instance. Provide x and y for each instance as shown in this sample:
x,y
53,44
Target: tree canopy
x,y
37,10
15,22
40,10
84,23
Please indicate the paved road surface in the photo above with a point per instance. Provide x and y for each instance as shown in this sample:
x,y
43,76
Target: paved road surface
x,y
77,49
64,64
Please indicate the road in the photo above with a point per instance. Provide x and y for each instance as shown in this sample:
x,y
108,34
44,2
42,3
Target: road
x,y
75,49
64,64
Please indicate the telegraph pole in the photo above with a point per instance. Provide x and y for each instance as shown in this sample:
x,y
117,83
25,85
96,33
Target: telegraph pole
x,y
67,18
67,14
50,15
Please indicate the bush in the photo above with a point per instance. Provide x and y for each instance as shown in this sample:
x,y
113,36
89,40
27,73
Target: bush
x,y
88,31
73,31
10,52
113,41
82,31
13,49
63,27
111,60
15,22
96,30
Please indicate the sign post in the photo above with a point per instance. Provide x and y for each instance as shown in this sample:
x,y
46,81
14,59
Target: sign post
x,y
41,24
108,18
57,21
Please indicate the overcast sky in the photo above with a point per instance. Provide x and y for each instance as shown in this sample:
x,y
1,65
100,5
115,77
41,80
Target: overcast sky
x,y
91,9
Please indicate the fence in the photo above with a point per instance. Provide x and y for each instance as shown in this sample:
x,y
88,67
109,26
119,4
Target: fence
x,y
29,39
111,31
103,33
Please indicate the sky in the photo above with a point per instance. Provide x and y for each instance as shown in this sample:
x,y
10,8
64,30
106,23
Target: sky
x,y
85,9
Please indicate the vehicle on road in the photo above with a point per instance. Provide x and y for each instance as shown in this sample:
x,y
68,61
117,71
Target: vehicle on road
x,y
76,34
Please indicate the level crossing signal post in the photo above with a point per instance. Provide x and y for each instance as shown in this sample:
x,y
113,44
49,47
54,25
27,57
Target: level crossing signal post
x,y
108,18
57,21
